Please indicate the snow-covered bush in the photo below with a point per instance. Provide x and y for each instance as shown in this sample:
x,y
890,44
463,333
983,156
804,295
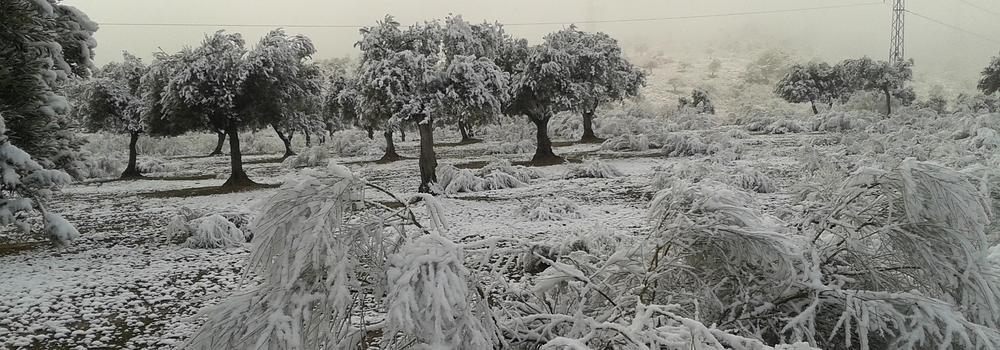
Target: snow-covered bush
x,y
592,168
683,170
94,167
352,143
498,174
519,172
323,258
784,126
214,231
753,180
626,143
685,144
891,260
843,121
986,139
514,147
155,165
429,299
310,157
550,209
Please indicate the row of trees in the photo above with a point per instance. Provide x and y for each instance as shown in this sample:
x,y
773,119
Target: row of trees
x,y
819,82
451,73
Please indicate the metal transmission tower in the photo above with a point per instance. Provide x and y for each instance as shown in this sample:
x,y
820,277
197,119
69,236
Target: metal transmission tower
x,y
896,46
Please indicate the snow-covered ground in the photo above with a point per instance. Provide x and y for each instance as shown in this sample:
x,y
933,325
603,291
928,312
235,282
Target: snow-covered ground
x,y
123,285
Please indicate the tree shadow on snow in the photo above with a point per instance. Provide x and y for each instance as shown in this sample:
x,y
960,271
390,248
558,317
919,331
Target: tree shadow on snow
x,y
207,191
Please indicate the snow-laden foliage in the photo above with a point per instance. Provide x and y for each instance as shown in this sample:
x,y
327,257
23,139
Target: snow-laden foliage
x,y
310,157
45,45
26,186
592,168
498,174
155,165
550,209
626,143
699,103
891,260
842,121
783,126
688,144
214,231
814,82
429,299
753,180
989,83
322,256
351,143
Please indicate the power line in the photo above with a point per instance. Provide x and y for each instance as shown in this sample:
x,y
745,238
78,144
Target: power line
x,y
952,26
979,7
626,20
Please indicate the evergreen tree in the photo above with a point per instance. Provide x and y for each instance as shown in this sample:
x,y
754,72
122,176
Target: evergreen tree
x,y
989,84
812,82
112,102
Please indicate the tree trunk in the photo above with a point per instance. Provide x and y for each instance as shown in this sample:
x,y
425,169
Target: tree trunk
x,y
543,151
815,111
308,140
132,172
888,102
402,135
588,128
390,148
218,146
428,160
285,139
465,132
371,133
237,177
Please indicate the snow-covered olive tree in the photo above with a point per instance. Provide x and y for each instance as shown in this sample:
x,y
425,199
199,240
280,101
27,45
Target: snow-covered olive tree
x,y
541,87
382,46
210,83
43,44
812,82
599,72
282,88
480,41
989,83
112,101
890,79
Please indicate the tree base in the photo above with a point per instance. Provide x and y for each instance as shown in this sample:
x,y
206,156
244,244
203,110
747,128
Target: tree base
x,y
591,139
287,154
216,154
239,181
389,158
131,175
547,159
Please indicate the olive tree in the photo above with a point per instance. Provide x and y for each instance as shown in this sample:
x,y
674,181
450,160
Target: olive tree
x,y
598,72
865,74
989,84
112,102
812,82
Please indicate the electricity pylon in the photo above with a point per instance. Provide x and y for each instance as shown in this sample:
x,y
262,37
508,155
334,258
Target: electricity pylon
x,y
896,34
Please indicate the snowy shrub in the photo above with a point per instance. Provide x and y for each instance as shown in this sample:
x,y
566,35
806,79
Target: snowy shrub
x,y
429,301
310,157
464,180
550,209
445,173
498,180
626,143
737,134
592,168
155,165
685,170
892,260
352,143
214,231
843,121
784,126
684,145
519,172
322,258
986,138
753,180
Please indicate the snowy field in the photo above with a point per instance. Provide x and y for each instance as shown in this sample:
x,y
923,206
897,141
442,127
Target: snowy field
x,y
124,286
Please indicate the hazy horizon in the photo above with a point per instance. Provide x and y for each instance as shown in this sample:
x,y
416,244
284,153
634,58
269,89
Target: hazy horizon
x,y
829,34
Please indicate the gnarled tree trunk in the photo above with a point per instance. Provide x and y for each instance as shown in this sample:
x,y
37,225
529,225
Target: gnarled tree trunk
x,y
466,136
588,128
218,146
390,148
402,135
131,171
428,159
815,110
371,133
543,150
237,177
286,140
308,140
888,101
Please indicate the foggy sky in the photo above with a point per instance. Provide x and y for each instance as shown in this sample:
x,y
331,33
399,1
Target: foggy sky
x,y
830,34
